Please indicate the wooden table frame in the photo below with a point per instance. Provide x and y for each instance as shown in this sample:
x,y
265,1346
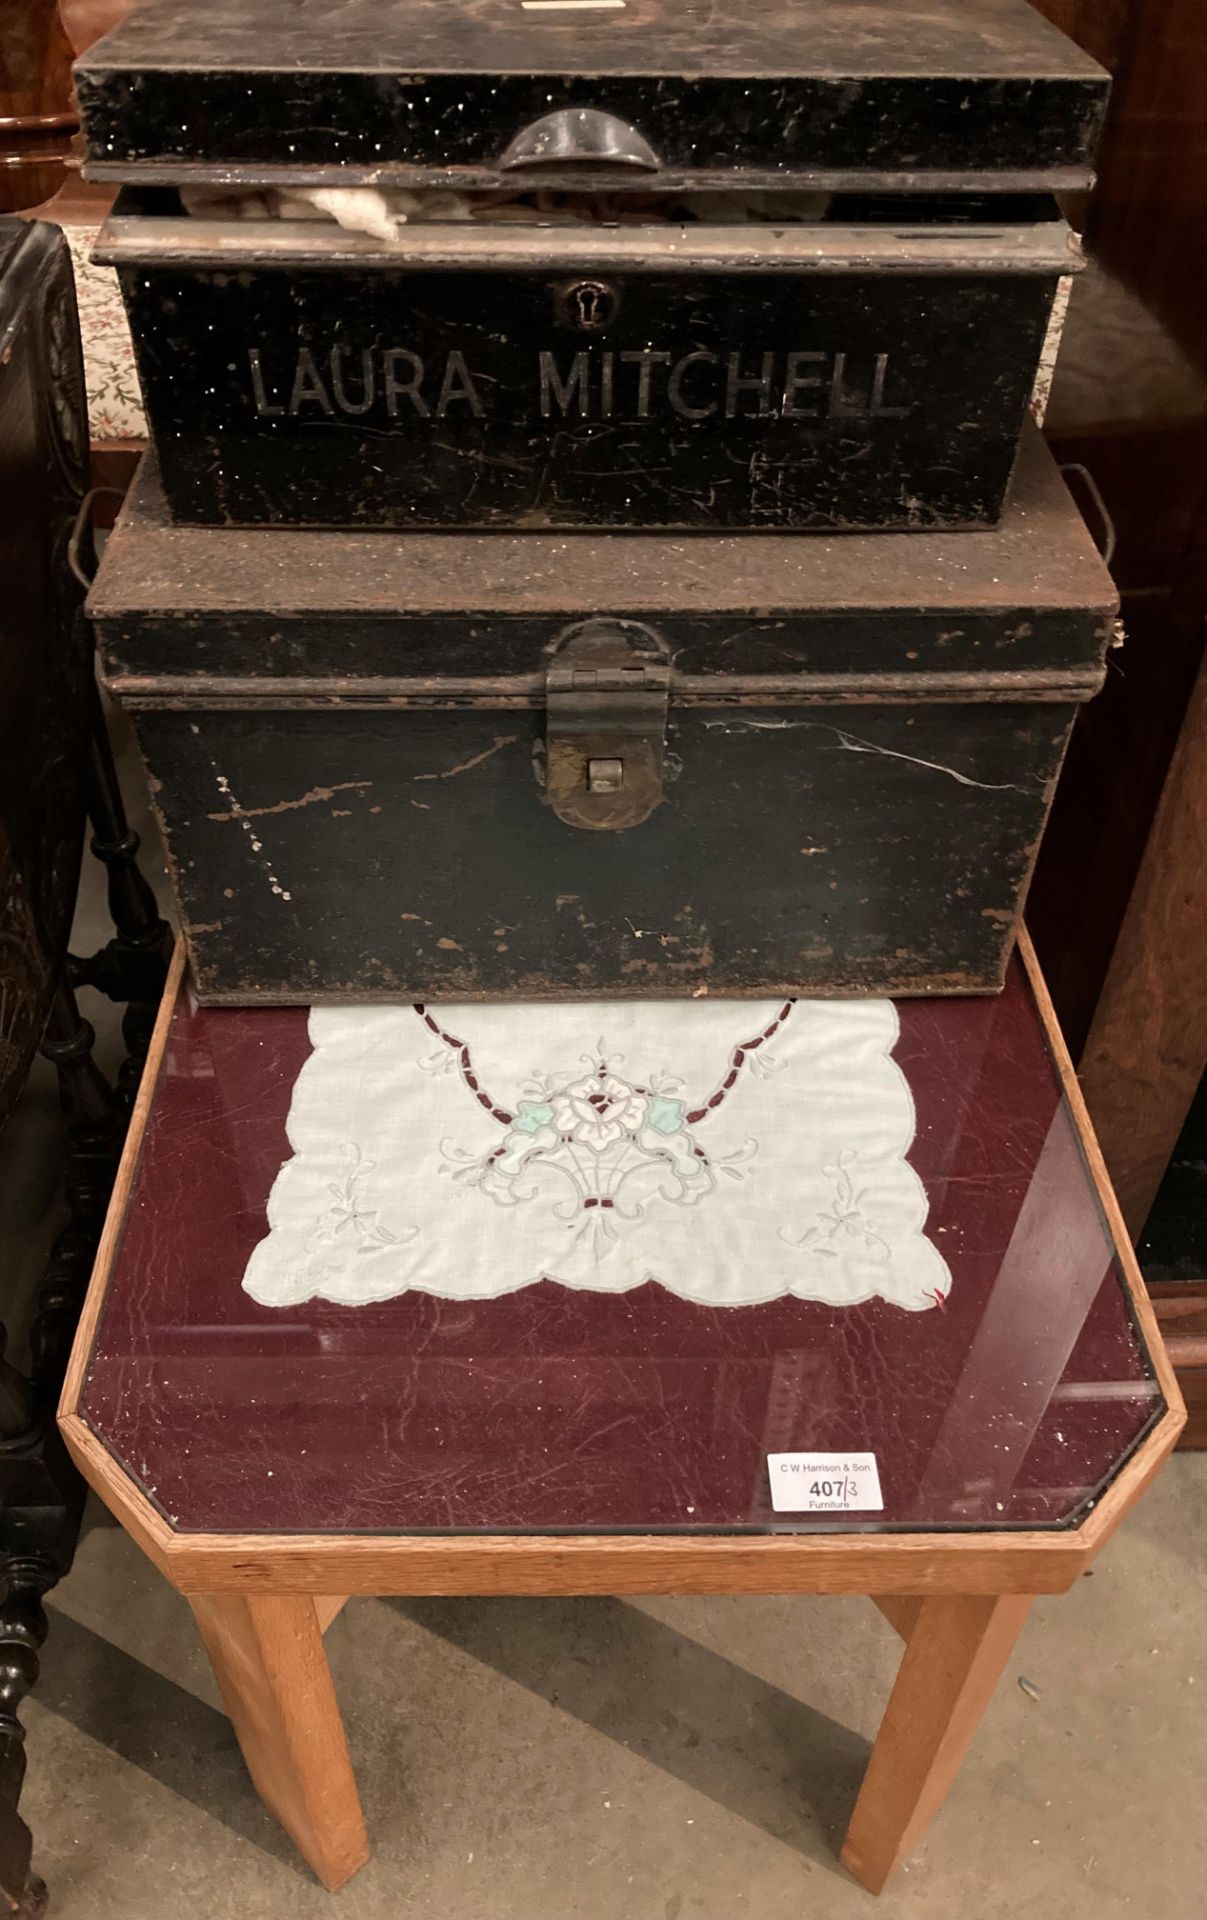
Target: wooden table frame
x,y
262,1601
1147,1048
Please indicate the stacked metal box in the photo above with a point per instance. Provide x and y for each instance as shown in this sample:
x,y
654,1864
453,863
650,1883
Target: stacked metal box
x,y
587,561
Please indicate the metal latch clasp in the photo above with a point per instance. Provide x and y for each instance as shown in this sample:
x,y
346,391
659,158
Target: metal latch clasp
x,y
607,689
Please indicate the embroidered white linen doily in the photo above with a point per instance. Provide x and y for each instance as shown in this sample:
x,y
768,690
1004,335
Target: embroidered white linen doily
x,y
731,1151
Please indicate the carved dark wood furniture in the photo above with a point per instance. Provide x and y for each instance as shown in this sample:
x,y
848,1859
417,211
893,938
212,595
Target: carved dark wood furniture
x,y
37,112
55,770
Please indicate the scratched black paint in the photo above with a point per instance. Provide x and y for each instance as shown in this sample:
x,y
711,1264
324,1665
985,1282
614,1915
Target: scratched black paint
x,y
795,853
347,744
279,392
457,398
458,121
777,86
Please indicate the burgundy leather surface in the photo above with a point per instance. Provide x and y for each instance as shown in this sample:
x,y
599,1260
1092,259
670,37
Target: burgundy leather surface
x,y
1011,1404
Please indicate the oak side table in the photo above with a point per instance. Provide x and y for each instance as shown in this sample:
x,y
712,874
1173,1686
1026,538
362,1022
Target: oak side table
x,y
271,1462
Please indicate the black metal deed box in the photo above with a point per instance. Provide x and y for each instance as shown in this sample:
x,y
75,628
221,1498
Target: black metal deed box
x,y
786,265
469,766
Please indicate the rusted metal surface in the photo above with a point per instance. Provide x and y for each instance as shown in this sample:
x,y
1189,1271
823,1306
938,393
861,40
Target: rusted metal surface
x,y
769,38
607,694
1025,577
907,181
835,849
182,692
356,799
130,238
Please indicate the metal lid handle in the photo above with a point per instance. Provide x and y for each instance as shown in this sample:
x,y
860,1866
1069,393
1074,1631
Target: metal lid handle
x,y
578,135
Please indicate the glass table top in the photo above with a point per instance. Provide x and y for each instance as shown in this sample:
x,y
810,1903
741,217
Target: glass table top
x,y
1010,1403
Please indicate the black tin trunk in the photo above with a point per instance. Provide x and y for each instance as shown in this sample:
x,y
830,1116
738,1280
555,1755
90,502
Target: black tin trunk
x,y
832,93
614,347
490,766
834,378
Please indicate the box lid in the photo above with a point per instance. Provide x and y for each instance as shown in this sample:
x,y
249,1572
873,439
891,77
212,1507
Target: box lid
x,y
215,615
908,94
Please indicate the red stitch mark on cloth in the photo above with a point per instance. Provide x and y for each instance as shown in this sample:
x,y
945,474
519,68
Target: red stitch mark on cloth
x,y
737,1060
465,1062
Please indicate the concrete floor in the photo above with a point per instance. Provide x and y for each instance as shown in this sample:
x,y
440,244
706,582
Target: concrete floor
x,y
636,1760
614,1759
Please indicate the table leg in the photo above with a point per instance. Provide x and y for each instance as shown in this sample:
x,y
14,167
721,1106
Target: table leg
x,y
329,1606
900,1610
268,1655
953,1659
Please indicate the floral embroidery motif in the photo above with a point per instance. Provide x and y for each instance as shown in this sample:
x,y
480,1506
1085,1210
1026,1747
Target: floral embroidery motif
x,y
648,1148
844,1218
601,1150
600,1147
347,1220
599,1111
